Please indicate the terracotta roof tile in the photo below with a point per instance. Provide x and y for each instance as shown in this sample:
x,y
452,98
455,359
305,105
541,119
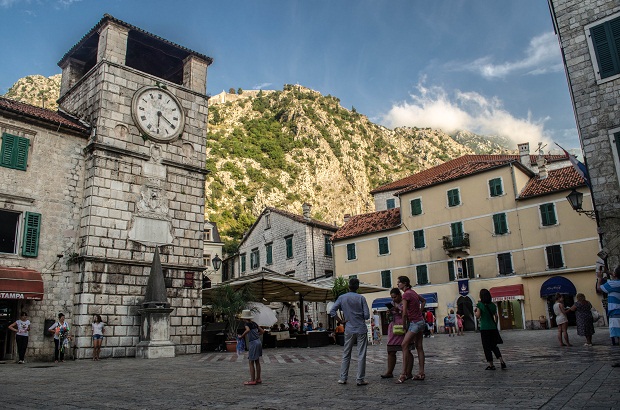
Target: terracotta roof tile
x,y
455,169
557,180
55,118
369,223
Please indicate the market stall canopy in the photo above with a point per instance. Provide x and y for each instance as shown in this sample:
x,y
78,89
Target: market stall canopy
x,y
20,283
269,286
510,292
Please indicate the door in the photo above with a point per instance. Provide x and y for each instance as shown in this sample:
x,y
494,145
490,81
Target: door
x,y
457,234
7,316
506,315
465,307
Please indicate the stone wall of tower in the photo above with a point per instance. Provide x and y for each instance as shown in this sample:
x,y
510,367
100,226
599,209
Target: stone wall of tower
x,y
595,106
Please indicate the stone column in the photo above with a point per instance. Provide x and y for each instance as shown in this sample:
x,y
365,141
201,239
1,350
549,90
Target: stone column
x,y
195,74
112,43
72,71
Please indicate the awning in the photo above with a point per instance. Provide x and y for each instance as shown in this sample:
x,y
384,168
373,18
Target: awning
x,y
20,283
510,292
557,284
431,299
380,303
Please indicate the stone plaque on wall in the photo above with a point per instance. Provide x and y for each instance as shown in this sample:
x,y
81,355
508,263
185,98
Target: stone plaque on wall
x,y
149,230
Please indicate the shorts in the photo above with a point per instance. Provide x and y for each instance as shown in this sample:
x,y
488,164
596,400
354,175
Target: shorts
x,y
97,337
416,327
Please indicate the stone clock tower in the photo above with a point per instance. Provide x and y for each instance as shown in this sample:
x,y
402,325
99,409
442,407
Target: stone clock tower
x,y
145,100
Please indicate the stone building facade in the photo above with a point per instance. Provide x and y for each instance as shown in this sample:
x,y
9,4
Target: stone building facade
x,y
135,188
585,30
292,244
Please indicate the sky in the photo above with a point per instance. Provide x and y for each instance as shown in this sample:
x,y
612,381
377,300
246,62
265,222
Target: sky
x,y
487,66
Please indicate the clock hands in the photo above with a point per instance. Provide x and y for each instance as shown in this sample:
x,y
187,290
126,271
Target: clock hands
x,y
166,119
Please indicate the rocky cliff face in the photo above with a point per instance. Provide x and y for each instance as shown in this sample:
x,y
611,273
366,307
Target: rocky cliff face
x,y
284,148
36,90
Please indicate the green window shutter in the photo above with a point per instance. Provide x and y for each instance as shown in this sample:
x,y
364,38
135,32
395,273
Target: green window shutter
x,y
14,152
390,203
383,246
470,268
457,233
505,263
451,275
351,251
547,213
242,263
32,228
495,187
418,239
328,246
416,206
605,47
617,141
453,197
269,252
422,274
499,223
554,257
289,247
386,278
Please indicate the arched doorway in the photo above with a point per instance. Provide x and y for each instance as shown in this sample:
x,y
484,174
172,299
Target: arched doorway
x,y
563,286
465,307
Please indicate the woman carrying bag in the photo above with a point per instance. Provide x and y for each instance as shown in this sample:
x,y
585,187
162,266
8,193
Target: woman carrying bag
x,y
486,311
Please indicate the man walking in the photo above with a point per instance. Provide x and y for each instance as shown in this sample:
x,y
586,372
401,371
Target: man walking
x,y
355,311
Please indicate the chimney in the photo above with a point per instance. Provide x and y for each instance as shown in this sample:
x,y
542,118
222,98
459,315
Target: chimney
x,y
347,217
542,171
306,210
524,154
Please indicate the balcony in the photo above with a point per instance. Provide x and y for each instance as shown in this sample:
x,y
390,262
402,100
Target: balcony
x,y
456,243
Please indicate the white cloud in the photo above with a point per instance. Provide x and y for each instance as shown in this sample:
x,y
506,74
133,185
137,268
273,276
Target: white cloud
x,y
261,86
541,56
433,107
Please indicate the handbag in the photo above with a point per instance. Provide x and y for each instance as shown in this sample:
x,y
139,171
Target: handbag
x,y
398,330
595,315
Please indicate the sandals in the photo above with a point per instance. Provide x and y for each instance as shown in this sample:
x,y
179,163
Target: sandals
x,y
401,379
258,381
250,383
490,367
503,366
387,376
419,377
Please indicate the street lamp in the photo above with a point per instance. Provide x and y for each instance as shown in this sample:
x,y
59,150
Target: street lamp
x,y
575,198
217,264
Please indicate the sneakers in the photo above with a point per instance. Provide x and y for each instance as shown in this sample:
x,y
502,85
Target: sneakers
x,y
342,381
587,344
362,383
21,362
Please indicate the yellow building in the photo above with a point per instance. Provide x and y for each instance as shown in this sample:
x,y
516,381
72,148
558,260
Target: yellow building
x,y
500,222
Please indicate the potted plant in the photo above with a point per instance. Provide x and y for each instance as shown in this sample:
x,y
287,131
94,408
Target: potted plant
x,y
229,303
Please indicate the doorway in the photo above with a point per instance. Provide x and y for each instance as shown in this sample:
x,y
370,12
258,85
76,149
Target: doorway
x,y
7,316
465,307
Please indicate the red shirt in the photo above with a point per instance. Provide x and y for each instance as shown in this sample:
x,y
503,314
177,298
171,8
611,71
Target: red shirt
x,y
414,313
429,316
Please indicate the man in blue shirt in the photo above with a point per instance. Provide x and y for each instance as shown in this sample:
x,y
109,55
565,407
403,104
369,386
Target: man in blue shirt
x,y
355,313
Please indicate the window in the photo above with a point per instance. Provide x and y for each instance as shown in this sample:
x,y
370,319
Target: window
x,y
547,214
289,247
451,274
495,187
14,152
605,40
418,239
456,228
454,198
500,225
254,259
208,235
504,262
422,274
329,273
242,262
328,245
351,252
416,206
384,247
386,278
10,231
267,221
206,259
554,257
463,268
390,203
269,253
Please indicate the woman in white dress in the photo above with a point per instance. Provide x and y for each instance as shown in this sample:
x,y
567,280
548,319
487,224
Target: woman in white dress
x,y
560,319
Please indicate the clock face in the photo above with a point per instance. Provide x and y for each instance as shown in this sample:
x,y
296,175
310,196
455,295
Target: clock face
x,y
158,114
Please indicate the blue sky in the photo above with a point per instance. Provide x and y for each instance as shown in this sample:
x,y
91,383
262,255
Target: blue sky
x,y
492,67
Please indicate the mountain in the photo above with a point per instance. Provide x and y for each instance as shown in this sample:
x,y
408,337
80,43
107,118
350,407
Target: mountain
x,y
284,148
36,90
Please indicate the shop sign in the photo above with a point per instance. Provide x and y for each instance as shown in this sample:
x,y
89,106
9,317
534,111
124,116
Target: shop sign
x,y
6,295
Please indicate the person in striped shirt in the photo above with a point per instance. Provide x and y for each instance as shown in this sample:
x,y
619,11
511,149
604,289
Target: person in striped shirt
x,y
612,288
